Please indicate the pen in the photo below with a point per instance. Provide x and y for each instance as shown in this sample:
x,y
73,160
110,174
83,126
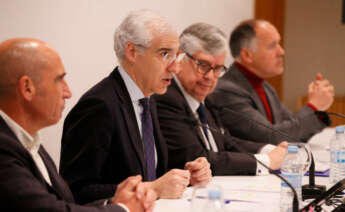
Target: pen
x,y
226,201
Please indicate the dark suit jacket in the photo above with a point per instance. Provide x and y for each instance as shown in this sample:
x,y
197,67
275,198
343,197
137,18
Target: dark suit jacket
x,y
22,186
186,143
235,92
101,143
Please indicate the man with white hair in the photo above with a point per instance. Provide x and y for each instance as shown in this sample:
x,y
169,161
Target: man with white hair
x,y
113,131
191,125
32,96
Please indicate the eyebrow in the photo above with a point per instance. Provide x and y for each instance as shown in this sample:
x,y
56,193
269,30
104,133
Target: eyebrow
x,y
164,49
61,76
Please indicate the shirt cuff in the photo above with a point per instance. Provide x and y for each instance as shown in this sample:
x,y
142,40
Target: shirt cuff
x,y
124,207
106,202
261,170
267,148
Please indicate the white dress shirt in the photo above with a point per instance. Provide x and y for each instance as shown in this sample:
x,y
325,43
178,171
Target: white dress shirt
x,y
32,144
262,154
135,94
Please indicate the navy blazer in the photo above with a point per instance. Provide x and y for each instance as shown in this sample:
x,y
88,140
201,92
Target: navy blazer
x,y
22,186
186,142
101,142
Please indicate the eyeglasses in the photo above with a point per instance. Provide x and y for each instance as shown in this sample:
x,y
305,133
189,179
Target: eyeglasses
x,y
171,58
204,67
166,55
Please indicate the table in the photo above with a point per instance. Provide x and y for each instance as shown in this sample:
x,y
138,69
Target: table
x,y
254,193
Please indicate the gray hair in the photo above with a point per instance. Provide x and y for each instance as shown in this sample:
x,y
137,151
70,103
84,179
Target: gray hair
x,y
203,37
243,36
138,28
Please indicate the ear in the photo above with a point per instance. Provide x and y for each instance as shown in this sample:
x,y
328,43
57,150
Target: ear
x,y
246,55
26,88
131,52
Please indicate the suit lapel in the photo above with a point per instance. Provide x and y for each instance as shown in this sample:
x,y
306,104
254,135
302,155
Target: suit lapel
x,y
159,141
190,114
130,118
242,80
272,103
32,165
58,184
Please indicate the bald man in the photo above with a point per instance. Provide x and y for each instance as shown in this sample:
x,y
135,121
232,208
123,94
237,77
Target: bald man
x,y
32,96
250,107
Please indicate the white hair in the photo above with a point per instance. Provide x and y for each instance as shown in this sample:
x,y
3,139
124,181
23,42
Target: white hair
x,y
138,28
203,37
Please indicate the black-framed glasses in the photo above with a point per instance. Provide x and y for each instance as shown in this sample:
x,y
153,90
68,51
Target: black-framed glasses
x,y
204,67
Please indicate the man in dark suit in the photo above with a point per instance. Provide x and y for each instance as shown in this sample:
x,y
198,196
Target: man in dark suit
x,y
111,133
250,104
32,96
184,102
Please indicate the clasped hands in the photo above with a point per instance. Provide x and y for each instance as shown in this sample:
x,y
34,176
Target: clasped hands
x,y
140,196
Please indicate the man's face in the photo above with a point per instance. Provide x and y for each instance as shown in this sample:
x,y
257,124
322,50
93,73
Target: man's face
x,y
51,92
196,84
153,70
268,59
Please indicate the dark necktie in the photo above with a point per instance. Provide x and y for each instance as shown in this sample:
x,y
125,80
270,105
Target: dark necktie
x,y
148,138
202,116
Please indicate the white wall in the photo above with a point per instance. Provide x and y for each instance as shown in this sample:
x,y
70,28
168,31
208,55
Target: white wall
x,y
82,30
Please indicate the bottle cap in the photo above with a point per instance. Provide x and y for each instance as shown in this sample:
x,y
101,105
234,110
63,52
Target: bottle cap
x,y
339,129
292,148
214,194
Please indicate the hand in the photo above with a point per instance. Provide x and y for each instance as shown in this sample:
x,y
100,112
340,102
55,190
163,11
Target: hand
x,y
321,93
277,155
200,171
171,185
132,193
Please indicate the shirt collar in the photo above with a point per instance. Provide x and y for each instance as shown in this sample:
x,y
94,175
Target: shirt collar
x,y
192,102
31,143
134,91
253,78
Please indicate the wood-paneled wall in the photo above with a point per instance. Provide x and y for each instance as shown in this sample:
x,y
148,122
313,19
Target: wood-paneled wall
x,y
274,12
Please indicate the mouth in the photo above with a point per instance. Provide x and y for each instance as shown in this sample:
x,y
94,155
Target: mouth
x,y
205,86
167,81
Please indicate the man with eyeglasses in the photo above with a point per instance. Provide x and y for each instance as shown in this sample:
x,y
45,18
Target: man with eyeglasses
x,y
113,131
185,101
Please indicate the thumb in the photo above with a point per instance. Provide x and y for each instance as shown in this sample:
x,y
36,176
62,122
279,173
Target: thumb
x,y
319,76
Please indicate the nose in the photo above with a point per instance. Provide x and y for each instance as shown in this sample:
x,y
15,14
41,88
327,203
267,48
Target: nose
x,y
281,50
174,67
210,75
66,91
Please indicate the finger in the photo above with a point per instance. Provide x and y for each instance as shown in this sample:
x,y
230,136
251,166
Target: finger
x,y
130,183
182,173
150,198
203,170
311,86
319,76
204,177
140,190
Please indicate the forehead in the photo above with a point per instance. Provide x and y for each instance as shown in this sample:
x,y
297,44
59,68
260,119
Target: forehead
x,y
217,59
53,67
266,32
165,41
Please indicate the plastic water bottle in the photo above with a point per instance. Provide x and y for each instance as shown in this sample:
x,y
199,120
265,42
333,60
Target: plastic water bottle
x,y
215,201
208,198
337,154
292,171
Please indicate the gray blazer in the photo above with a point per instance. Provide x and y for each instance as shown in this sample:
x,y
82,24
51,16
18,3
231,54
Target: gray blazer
x,y
243,113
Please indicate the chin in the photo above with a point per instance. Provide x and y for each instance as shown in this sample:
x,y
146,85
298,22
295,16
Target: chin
x,y
161,91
